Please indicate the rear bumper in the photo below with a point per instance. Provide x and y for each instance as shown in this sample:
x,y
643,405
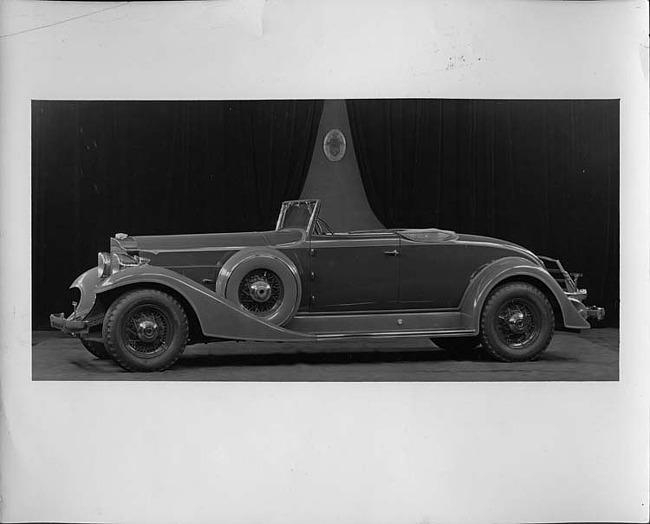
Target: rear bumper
x,y
587,312
597,313
73,327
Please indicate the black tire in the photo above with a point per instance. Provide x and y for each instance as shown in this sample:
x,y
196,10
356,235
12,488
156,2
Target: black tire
x,y
263,282
517,322
96,348
456,344
145,330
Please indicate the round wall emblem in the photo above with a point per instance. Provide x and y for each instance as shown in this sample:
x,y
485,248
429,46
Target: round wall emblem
x,y
334,145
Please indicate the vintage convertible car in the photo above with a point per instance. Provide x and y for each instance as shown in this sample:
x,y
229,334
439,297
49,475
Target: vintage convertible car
x,y
152,295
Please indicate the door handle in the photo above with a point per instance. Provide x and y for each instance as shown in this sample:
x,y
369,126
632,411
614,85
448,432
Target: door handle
x,y
392,253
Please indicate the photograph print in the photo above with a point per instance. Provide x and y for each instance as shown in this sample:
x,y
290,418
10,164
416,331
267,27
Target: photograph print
x,y
325,240
286,262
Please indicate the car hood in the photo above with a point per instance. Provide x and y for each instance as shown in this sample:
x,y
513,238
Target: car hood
x,y
212,241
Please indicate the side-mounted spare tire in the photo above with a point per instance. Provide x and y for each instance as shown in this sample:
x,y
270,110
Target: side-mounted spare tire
x,y
263,282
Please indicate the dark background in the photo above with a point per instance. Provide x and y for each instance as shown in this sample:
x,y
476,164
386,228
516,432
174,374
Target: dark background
x,y
544,174
99,168
540,173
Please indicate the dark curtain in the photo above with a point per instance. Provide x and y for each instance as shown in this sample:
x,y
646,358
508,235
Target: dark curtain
x,y
542,173
150,167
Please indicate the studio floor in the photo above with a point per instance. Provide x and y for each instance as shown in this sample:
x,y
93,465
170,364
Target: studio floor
x,y
592,355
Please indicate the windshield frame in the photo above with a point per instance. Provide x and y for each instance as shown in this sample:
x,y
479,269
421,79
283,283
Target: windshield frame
x,y
289,203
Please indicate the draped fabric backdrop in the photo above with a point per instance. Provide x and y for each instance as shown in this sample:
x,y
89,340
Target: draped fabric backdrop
x,y
543,173
153,167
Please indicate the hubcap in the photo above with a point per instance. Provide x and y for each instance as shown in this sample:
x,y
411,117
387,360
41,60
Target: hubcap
x,y
518,323
147,330
260,290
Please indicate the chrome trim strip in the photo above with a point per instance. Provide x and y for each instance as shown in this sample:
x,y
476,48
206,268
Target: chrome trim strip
x,y
193,266
195,249
397,334
374,312
383,241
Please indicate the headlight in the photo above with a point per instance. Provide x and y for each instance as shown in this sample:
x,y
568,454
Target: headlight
x,y
111,263
103,264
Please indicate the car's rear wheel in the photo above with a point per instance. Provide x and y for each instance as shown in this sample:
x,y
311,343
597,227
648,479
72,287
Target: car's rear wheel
x,y
96,348
517,322
145,330
264,283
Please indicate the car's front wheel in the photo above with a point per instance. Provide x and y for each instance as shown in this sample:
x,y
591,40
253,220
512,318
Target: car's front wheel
x,y
145,330
517,322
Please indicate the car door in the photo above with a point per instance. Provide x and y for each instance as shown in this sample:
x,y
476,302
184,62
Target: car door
x,y
354,271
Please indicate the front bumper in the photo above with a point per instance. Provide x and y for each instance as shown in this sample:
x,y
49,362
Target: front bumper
x,y
67,325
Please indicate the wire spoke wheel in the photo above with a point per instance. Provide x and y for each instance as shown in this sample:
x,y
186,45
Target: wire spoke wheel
x,y
260,291
147,331
517,323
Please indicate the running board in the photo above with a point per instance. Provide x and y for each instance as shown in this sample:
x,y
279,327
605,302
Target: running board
x,y
441,323
398,334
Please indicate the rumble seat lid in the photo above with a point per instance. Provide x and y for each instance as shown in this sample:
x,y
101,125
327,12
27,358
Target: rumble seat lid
x,y
428,235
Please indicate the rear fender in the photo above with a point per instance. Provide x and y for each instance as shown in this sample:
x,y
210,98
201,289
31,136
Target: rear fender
x,y
217,316
508,268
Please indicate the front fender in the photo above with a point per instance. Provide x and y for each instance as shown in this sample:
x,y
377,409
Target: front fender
x,y
498,271
217,316
86,283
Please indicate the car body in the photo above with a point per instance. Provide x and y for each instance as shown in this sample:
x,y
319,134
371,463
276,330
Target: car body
x,y
152,295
